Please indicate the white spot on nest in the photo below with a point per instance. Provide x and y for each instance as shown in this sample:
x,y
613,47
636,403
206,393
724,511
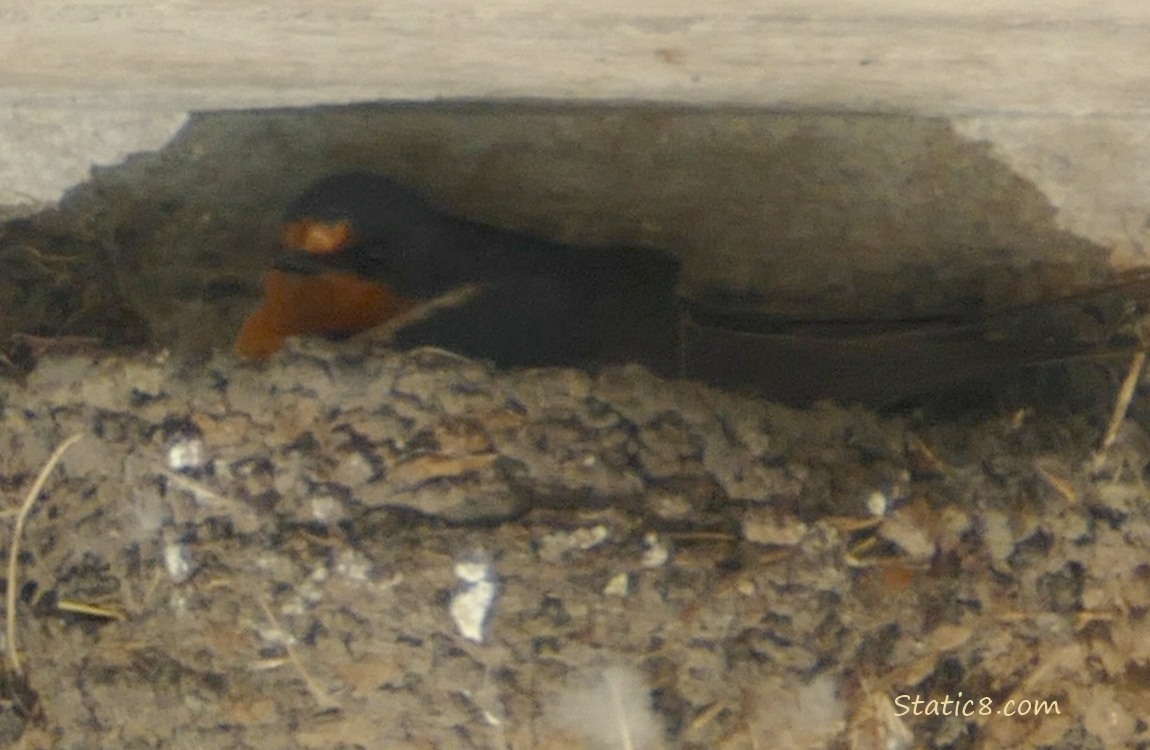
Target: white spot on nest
x,y
353,566
178,561
186,454
657,553
471,605
619,585
326,509
877,503
552,547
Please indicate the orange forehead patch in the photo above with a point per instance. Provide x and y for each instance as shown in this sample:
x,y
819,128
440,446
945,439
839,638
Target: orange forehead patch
x,y
318,237
311,305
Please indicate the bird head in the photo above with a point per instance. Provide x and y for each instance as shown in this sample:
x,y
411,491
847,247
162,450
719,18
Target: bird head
x,y
370,226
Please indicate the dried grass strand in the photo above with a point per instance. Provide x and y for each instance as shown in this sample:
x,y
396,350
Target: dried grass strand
x,y
14,549
1122,402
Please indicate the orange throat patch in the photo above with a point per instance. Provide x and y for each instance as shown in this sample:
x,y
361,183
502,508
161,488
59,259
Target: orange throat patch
x,y
309,305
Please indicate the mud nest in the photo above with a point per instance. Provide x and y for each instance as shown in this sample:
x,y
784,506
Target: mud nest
x,y
414,551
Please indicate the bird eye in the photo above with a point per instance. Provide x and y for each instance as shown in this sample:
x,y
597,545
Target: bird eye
x,y
317,237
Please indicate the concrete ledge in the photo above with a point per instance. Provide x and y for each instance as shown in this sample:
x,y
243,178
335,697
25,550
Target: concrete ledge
x,y
929,56
1061,88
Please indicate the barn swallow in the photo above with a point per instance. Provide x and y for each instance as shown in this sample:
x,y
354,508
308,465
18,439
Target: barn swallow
x,y
365,249
360,249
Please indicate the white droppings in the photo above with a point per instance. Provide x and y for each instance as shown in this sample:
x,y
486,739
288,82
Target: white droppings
x,y
619,585
471,605
309,593
472,572
178,561
353,565
186,454
877,504
657,553
327,509
552,547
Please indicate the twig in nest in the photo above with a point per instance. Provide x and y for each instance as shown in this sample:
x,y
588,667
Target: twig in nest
x,y
384,332
325,701
1122,403
14,548
41,345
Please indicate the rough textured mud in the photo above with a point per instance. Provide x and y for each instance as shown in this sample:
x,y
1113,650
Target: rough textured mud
x,y
347,548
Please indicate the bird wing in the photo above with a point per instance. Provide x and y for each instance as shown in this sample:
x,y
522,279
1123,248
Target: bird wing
x,y
531,321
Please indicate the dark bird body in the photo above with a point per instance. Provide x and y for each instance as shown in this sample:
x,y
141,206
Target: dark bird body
x,y
543,303
535,302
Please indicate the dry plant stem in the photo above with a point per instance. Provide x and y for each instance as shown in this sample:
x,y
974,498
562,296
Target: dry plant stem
x,y
620,714
456,297
1122,403
14,548
325,701
42,344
